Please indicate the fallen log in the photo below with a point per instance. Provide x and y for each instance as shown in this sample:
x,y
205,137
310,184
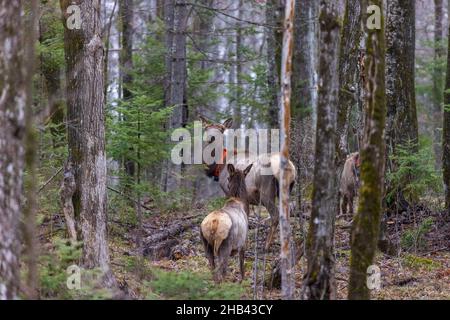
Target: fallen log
x,y
171,231
160,250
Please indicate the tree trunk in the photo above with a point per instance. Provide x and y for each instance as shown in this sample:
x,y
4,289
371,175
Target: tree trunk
x,y
126,65
286,256
446,136
86,133
31,143
13,93
401,127
237,119
303,84
273,17
438,71
367,220
320,282
177,68
348,77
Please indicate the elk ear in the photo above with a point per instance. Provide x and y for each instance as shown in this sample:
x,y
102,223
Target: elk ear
x,y
227,123
231,169
247,170
205,121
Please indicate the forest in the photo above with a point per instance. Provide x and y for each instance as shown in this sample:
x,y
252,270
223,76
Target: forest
x,y
224,150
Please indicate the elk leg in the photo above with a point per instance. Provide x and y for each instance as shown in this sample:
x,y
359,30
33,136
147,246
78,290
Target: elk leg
x,y
241,263
224,254
350,205
208,252
270,206
344,204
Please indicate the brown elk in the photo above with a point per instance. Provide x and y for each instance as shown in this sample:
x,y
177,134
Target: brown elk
x,y
224,231
261,188
349,182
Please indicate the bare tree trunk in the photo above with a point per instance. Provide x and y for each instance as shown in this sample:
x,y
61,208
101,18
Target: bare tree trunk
x,y
178,80
320,282
86,132
126,65
13,101
401,126
237,119
286,256
273,17
348,77
29,212
438,82
303,85
446,135
366,223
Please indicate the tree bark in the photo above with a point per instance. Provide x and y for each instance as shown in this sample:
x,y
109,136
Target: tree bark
x,y
31,143
126,65
303,85
273,17
177,68
13,100
349,77
320,282
86,133
446,135
366,223
401,127
286,256
438,71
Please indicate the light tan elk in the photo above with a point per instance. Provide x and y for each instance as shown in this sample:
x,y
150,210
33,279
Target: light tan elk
x,y
224,231
261,189
349,182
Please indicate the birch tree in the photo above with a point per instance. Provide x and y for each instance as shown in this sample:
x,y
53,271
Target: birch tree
x,y
13,100
286,261
366,223
86,131
320,283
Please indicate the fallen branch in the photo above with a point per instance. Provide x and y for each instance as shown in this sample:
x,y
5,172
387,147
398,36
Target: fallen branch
x,y
49,180
129,198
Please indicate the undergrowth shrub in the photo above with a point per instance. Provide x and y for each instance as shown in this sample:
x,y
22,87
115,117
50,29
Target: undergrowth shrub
x,y
192,286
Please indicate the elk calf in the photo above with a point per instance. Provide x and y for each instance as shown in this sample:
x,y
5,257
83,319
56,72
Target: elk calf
x,y
224,231
349,182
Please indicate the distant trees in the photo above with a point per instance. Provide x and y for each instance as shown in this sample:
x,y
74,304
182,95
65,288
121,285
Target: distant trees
x,y
86,133
14,80
366,223
320,282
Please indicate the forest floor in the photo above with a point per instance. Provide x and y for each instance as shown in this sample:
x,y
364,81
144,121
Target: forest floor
x,y
420,272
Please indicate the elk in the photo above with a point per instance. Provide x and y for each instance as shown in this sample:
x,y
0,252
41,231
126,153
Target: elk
x,y
261,188
349,182
224,231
